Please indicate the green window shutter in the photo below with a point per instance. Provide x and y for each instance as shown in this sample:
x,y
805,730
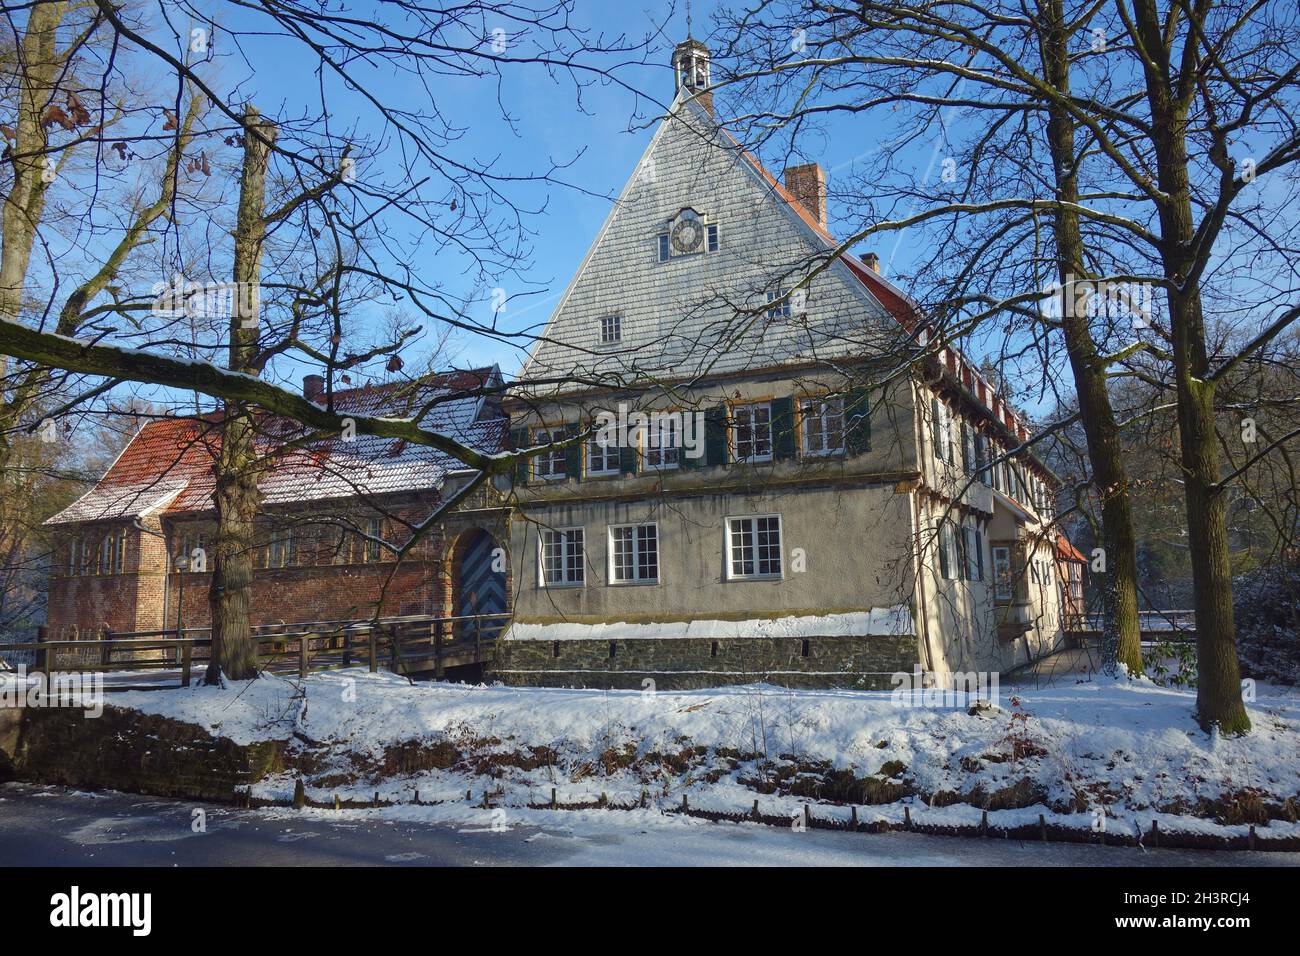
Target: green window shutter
x,y
627,459
519,439
783,430
715,435
857,421
573,454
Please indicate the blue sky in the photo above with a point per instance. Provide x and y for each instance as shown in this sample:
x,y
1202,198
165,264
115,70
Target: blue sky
x,y
608,136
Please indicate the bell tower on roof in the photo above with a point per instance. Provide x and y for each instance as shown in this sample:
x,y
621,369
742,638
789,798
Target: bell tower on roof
x,y
691,67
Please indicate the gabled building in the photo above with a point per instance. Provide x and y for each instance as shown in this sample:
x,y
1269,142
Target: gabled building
x,y
807,499
333,514
766,470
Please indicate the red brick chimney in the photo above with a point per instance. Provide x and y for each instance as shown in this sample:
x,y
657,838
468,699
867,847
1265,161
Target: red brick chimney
x,y
313,387
872,261
808,185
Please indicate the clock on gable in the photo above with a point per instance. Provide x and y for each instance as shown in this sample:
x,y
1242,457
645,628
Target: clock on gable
x,y
687,232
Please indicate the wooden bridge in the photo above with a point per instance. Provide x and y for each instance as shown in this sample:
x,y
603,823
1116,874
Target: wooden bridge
x,y
1154,626
415,645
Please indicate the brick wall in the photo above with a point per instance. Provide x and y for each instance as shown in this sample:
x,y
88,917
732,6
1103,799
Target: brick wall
x,y
321,586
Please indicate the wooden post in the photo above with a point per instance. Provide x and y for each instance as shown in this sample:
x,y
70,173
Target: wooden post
x,y
187,655
303,643
105,647
437,649
853,815
1042,827
42,653
907,817
554,805
807,816
374,651
347,647
1155,832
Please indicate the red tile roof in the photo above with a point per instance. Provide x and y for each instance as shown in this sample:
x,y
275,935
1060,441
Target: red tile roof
x,y
168,465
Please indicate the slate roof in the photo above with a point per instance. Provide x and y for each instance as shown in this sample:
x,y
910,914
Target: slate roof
x,y
168,466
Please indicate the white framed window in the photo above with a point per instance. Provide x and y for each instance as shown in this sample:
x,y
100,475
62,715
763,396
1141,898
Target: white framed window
x,y
751,432
634,554
664,249
281,550
941,426
1003,586
550,465
711,232
947,545
754,547
611,329
823,425
370,547
601,460
778,309
86,561
562,557
662,442
112,552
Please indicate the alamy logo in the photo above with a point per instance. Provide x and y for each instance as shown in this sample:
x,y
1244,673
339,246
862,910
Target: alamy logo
x,y
72,689
76,909
653,430
208,300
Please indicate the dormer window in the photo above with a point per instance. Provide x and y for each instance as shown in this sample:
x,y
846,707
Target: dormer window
x,y
611,330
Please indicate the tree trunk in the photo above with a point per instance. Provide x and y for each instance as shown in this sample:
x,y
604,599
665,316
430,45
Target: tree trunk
x,y
236,495
1121,635
1218,694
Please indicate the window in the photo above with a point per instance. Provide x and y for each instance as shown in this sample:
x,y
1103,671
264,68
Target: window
x,y
86,557
601,460
948,567
663,442
823,425
634,554
778,309
191,543
751,432
562,556
112,551
1003,587
981,457
281,550
941,430
371,547
711,231
967,449
611,329
663,247
549,465
754,547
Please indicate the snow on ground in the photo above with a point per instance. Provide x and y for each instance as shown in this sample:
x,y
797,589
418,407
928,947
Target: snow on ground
x,y
1068,752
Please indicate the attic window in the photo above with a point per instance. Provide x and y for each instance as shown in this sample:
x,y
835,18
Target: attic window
x,y
711,231
663,247
611,329
778,309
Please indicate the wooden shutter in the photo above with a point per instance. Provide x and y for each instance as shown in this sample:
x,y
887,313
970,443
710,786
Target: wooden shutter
x,y
715,435
783,431
627,459
519,439
573,453
857,421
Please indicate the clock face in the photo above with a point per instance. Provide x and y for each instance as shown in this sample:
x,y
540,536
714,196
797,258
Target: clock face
x,y
687,236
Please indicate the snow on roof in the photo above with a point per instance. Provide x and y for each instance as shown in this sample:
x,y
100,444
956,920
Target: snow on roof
x,y
169,464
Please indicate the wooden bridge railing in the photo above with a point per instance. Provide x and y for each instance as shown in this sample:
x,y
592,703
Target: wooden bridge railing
x,y
407,645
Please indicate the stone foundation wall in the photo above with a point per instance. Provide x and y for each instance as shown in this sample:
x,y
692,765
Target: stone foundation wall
x,y
863,663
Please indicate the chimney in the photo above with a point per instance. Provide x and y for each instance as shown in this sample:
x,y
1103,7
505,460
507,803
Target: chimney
x,y
808,185
872,262
313,387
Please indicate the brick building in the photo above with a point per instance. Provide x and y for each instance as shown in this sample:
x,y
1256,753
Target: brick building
x,y
333,513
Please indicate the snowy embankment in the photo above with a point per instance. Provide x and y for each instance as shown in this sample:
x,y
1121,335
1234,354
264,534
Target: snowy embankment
x,y
1116,755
